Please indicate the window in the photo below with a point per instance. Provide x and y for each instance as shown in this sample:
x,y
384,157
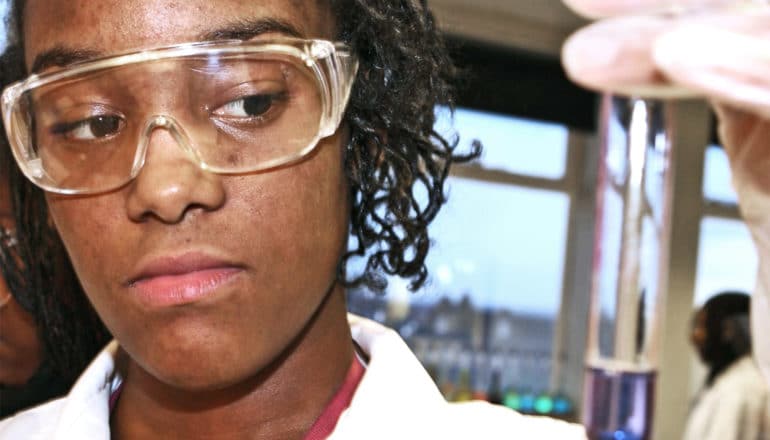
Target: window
x,y
513,145
484,324
717,186
727,259
4,17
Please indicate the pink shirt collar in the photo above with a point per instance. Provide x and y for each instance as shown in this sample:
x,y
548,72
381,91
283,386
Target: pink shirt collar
x,y
325,423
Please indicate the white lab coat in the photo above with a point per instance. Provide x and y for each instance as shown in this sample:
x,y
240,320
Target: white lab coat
x,y
396,399
735,407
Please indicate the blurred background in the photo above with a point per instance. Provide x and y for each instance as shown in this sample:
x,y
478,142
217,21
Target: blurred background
x,y
504,314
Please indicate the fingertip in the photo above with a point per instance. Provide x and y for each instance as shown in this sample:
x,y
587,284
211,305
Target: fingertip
x,y
588,56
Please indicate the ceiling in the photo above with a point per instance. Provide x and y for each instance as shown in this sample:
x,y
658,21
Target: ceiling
x,y
533,25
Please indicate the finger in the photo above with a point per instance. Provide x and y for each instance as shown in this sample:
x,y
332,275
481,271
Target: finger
x,y
746,137
616,55
734,126
611,8
729,63
741,134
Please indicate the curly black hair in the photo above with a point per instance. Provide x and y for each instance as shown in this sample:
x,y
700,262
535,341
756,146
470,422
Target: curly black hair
x,y
396,166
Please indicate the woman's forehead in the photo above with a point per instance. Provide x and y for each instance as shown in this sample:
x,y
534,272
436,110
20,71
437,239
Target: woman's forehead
x,y
110,26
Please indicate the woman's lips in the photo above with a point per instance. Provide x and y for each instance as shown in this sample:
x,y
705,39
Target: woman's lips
x,y
172,281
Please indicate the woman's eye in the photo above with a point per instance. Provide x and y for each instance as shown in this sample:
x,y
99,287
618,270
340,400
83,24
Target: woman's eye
x,y
96,127
252,106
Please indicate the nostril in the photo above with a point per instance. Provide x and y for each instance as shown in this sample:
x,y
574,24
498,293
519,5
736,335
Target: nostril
x,y
170,191
173,216
172,182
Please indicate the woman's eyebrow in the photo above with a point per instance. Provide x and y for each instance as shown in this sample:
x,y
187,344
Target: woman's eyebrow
x,y
248,29
60,56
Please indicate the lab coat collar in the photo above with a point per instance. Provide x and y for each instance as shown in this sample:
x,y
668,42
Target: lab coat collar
x,y
395,399
84,412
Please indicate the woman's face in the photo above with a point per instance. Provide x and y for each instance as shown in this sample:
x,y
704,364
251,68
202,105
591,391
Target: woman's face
x,y
204,279
21,351
699,334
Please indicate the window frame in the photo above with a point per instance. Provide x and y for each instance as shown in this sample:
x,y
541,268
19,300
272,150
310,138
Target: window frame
x,y
532,86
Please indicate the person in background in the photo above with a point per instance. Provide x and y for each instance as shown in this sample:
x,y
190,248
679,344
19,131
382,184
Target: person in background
x,y
212,169
21,351
732,404
29,374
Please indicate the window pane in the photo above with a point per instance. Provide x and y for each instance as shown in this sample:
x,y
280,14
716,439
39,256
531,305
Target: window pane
x,y
3,30
716,176
496,281
727,259
502,243
516,145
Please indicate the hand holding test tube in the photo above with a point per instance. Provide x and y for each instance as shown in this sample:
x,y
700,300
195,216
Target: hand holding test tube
x,y
711,48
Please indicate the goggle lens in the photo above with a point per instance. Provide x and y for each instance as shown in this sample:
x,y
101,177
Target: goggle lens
x,y
232,113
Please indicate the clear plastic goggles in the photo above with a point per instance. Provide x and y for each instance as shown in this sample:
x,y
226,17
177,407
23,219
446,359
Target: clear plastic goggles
x,y
233,107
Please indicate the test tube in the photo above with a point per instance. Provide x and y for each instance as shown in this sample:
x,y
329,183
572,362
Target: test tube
x,y
629,268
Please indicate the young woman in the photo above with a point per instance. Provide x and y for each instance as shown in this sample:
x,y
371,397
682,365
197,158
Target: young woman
x,y
204,164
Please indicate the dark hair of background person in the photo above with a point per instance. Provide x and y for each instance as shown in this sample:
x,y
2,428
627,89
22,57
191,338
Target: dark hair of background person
x,y
722,347
43,383
393,157
40,279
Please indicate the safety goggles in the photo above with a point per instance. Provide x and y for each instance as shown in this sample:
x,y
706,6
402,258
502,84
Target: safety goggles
x,y
233,107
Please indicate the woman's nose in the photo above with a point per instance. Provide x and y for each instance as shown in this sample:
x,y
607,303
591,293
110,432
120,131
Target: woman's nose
x,y
171,183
